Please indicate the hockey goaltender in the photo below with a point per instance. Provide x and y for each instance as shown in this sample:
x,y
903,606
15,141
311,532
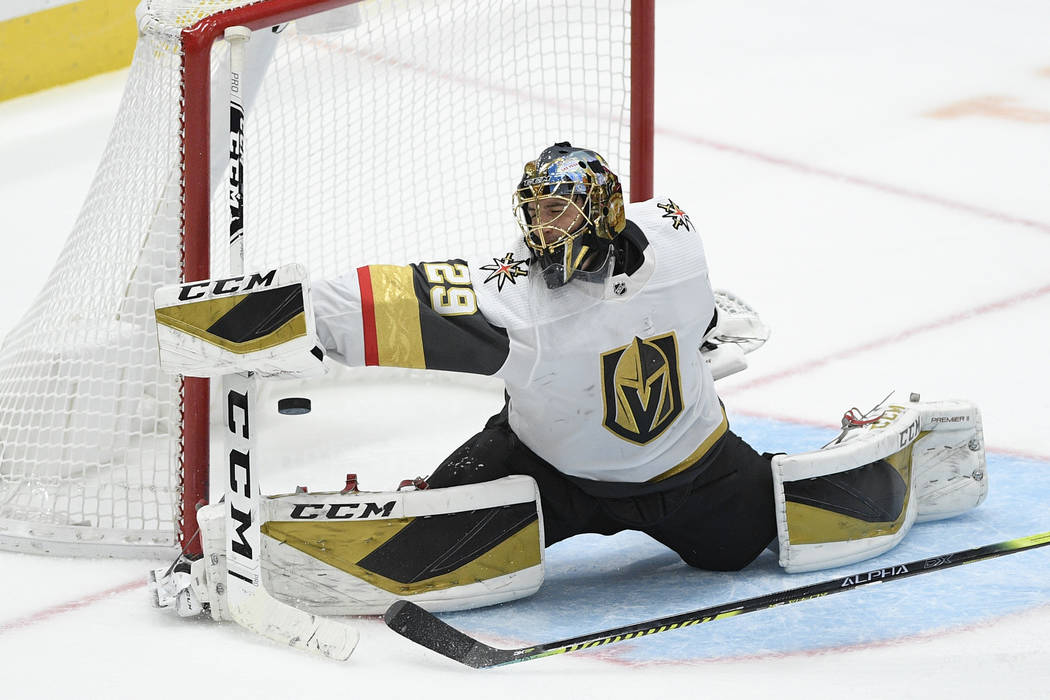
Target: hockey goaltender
x,y
604,327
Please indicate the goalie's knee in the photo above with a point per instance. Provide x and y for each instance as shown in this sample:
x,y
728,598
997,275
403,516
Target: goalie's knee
x,y
482,458
727,559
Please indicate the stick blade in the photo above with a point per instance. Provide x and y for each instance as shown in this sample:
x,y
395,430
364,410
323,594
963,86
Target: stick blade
x,y
284,624
416,624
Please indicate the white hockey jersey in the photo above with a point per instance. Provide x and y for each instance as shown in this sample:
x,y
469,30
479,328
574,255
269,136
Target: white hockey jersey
x,y
605,380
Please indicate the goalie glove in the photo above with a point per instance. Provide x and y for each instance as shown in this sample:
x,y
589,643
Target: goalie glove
x,y
736,331
259,322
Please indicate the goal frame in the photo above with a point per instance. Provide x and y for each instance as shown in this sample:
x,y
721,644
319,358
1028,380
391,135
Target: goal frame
x,y
197,41
189,444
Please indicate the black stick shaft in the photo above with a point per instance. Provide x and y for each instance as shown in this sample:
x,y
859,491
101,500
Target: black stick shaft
x,y
423,628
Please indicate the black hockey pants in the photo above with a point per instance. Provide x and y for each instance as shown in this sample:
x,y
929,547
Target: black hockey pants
x,y
717,515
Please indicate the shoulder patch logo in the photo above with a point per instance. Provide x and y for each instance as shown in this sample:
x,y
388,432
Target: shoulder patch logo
x,y
676,215
642,388
506,269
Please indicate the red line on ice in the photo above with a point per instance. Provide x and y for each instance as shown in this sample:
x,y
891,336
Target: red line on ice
x,y
799,166
48,613
810,365
857,180
614,655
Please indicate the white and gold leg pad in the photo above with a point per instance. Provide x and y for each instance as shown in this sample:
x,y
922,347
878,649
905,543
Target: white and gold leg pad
x,y
859,496
356,553
948,460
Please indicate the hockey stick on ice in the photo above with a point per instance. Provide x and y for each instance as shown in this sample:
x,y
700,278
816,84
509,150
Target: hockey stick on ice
x,y
250,605
415,623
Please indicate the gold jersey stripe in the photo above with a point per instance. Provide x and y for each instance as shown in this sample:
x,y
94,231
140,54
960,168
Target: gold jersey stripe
x,y
698,453
399,336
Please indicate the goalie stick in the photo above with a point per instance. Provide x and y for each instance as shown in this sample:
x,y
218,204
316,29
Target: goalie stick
x,y
418,625
250,604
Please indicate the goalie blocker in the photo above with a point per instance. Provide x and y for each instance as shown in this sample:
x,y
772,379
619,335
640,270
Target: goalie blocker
x,y
358,552
858,496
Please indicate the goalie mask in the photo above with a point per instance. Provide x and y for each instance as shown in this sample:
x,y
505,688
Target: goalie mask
x,y
569,205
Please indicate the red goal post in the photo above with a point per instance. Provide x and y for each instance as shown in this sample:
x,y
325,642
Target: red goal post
x,y
384,120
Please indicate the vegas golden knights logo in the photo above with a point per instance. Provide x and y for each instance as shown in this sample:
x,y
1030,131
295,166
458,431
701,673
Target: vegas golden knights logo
x,y
641,387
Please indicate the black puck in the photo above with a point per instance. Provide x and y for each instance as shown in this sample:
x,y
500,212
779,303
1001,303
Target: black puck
x,y
293,406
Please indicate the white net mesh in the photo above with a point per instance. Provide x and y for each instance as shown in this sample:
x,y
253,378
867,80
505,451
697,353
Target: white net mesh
x,y
471,90
386,131
88,440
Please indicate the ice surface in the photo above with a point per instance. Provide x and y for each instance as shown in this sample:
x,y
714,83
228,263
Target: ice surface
x,y
887,247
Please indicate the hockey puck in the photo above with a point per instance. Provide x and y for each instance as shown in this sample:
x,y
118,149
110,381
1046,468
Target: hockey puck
x,y
293,406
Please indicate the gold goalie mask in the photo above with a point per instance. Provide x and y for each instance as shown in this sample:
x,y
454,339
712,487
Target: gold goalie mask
x,y
569,205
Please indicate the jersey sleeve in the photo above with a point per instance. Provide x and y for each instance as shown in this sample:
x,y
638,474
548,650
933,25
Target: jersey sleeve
x,y
420,316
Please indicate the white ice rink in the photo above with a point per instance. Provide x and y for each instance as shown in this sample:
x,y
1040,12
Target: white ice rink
x,y
873,177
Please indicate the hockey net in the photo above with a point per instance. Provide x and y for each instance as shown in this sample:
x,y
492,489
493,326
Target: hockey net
x,y
377,131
